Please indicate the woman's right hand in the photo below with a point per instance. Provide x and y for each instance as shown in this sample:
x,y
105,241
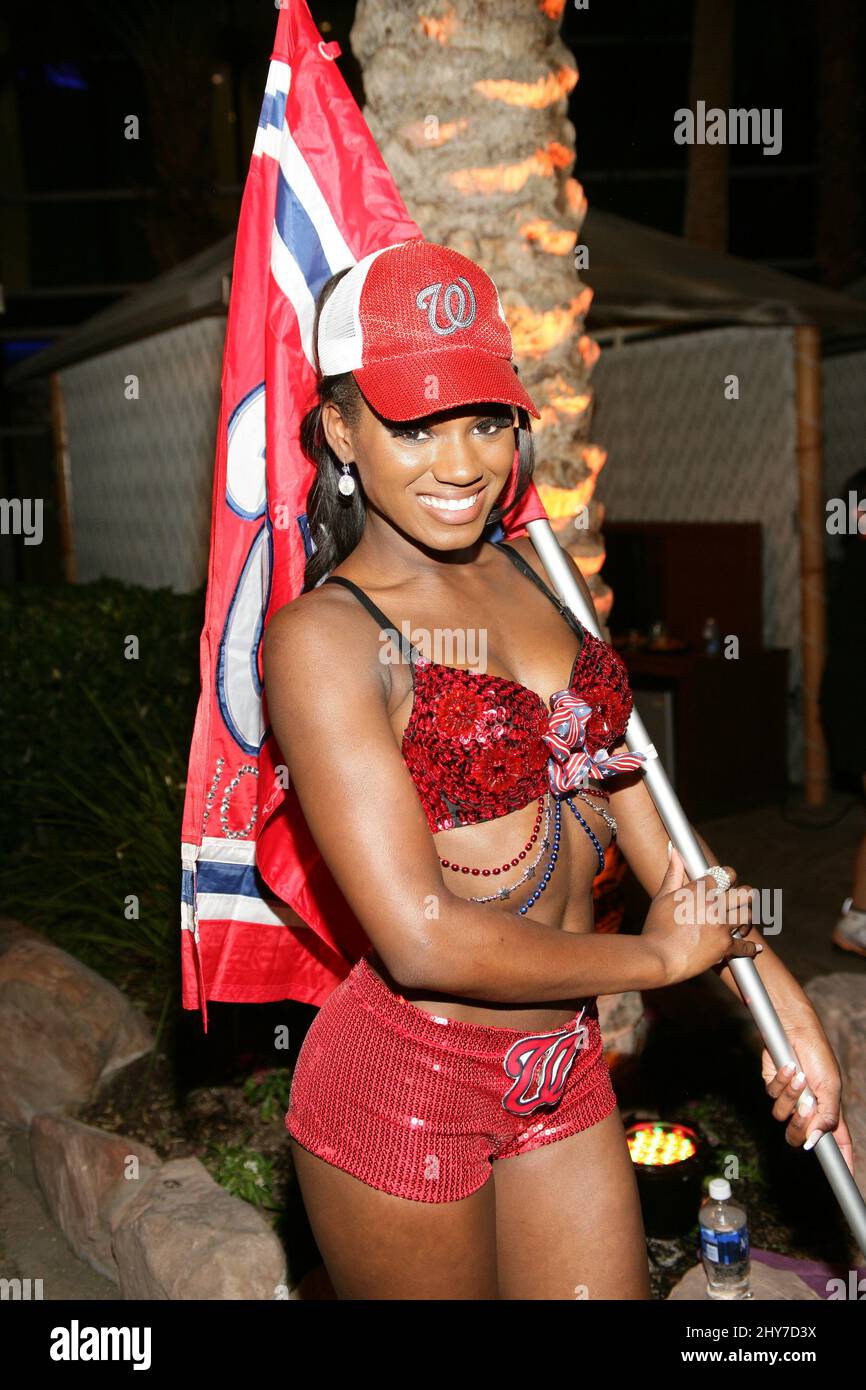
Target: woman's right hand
x,y
689,923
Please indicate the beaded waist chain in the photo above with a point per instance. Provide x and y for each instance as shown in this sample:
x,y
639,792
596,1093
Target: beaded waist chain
x,y
530,870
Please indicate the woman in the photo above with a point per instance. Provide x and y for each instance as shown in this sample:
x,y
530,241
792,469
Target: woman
x,y
468,1035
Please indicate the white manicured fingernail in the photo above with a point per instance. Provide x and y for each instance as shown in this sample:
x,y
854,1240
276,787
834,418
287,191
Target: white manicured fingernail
x,y
813,1138
670,849
804,1104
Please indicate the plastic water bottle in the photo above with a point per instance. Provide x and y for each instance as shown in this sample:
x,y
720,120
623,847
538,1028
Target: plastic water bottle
x,y
724,1243
712,637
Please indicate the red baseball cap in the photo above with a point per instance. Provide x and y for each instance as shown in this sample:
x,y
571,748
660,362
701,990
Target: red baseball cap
x,y
421,329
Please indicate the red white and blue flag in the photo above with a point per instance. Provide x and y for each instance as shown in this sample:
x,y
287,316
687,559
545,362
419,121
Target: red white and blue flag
x,y
262,918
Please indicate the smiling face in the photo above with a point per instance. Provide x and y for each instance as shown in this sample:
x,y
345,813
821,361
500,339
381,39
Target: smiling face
x,y
437,479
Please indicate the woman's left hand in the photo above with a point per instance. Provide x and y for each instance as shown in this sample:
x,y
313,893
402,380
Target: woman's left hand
x,y
824,1080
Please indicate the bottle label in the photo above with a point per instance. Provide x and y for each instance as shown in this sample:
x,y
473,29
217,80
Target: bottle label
x,y
725,1247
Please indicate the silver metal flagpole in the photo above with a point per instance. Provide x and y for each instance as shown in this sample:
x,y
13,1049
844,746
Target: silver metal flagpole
x,y
749,982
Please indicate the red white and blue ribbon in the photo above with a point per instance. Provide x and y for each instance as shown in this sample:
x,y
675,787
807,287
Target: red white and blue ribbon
x,y
571,764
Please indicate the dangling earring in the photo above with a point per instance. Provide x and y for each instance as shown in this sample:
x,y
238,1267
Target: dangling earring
x,y
346,485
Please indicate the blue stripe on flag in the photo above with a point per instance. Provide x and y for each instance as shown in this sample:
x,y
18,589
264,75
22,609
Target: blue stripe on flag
x,y
273,110
239,880
298,234
306,534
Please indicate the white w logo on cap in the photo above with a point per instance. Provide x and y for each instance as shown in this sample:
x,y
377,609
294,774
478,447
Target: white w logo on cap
x,y
464,317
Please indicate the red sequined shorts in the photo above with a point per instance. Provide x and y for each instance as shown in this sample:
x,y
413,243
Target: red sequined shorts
x,y
419,1105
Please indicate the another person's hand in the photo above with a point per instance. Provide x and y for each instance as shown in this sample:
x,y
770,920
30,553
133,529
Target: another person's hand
x,y
824,1080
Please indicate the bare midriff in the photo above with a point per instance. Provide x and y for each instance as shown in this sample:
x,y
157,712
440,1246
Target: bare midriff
x,y
565,904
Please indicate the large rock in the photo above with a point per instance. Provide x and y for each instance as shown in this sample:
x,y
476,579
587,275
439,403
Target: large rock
x,y
840,1002
624,1029
63,1029
88,1177
184,1237
623,1024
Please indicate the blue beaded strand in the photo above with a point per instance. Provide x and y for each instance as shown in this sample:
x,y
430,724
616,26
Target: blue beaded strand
x,y
595,840
548,873
557,830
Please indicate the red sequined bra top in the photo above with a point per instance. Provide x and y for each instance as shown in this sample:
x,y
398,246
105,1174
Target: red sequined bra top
x,y
479,746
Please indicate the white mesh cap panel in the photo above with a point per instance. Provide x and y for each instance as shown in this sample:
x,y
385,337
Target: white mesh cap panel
x,y
340,339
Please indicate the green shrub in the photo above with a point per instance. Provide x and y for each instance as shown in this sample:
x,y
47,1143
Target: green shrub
x,y
95,770
243,1172
269,1089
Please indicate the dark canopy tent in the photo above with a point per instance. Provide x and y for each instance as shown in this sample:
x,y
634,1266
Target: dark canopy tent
x,y
641,279
641,276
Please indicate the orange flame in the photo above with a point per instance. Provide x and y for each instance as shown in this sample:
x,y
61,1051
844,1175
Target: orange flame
x,y
589,566
594,457
558,155
552,9
545,91
589,351
571,405
561,502
575,199
439,27
563,400
510,178
533,334
418,132
556,241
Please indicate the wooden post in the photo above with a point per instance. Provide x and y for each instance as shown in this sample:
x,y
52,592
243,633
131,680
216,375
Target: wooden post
x,y
706,210
812,517
62,477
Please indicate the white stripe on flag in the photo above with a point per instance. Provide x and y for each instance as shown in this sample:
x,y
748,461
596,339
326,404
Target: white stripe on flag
x,y
290,278
232,907
267,141
228,906
279,77
227,851
279,80
300,178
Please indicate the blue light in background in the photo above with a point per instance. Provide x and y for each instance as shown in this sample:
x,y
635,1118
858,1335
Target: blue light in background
x,y
17,350
64,75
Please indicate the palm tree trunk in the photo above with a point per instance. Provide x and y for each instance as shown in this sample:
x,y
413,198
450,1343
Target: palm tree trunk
x,y
469,111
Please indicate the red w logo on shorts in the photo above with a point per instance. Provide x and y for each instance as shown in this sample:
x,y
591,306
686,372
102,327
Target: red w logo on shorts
x,y
550,1055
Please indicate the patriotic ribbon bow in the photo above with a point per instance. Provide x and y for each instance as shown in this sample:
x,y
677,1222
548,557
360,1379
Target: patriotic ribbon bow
x,y
570,763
